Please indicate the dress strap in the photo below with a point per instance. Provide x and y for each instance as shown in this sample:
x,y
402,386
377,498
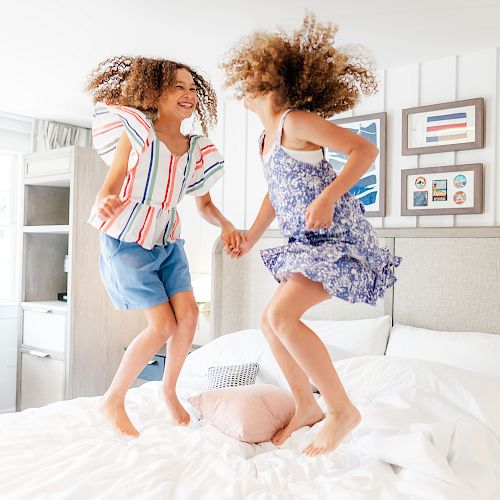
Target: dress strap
x,y
280,126
261,142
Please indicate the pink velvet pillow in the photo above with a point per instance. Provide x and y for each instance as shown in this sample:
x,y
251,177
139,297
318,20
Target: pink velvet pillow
x,y
250,413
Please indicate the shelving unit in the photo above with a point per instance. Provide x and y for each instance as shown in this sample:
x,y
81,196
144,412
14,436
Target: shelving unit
x,y
53,229
66,349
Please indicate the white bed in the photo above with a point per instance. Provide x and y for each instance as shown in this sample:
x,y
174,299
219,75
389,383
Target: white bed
x,y
429,431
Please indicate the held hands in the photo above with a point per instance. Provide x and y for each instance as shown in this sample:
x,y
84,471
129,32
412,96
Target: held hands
x,y
109,206
319,214
234,241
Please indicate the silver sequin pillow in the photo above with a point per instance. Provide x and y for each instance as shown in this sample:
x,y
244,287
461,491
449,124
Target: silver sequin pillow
x,y
220,377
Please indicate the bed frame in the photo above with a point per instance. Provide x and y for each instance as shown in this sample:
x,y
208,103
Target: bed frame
x,y
449,280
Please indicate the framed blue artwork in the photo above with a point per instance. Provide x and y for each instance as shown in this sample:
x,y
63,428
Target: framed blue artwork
x,y
370,189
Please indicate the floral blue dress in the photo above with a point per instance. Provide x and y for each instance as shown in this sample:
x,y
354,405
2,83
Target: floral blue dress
x,y
345,258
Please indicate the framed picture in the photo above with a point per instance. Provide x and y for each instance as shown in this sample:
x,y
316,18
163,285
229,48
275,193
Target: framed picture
x,y
450,126
450,190
370,189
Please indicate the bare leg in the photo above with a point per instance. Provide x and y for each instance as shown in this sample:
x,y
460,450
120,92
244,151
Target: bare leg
x,y
161,324
186,313
307,410
296,296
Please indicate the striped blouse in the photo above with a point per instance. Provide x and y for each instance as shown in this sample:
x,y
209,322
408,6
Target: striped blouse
x,y
156,180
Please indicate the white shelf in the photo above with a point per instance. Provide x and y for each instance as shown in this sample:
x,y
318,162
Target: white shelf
x,y
46,305
54,229
49,180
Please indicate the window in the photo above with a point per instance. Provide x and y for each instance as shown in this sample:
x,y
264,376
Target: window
x,y
9,176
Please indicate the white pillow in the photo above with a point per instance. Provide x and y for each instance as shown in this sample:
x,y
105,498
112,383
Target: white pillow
x,y
245,346
343,339
361,337
476,352
242,347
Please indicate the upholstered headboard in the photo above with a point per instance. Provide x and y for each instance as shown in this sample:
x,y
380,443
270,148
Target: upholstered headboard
x,y
449,280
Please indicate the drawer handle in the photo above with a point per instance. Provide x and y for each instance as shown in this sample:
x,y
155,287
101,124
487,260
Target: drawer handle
x,y
153,362
39,354
40,309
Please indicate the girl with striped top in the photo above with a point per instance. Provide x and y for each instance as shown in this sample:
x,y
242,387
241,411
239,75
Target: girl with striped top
x,y
140,105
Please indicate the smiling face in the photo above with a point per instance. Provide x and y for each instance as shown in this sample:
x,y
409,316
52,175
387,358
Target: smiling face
x,y
180,100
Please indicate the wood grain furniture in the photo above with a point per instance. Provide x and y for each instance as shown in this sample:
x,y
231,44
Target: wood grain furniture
x,y
66,349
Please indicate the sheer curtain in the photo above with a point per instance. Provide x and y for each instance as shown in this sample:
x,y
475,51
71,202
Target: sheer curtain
x,y
15,140
53,135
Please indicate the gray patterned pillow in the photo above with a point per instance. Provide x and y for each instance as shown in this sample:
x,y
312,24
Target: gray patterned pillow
x,y
220,377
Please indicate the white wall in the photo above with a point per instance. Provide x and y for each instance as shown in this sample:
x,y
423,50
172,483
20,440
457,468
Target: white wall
x,y
15,136
465,76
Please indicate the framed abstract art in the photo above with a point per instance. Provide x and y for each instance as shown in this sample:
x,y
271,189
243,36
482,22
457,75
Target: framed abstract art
x,y
370,189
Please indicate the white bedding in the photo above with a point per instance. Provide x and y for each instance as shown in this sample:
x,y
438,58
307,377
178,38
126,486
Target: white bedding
x,y
429,432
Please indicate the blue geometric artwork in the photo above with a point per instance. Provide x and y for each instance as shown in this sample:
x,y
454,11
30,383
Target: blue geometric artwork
x,y
367,189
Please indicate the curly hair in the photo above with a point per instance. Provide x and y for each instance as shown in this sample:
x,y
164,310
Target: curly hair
x,y
303,69
139,82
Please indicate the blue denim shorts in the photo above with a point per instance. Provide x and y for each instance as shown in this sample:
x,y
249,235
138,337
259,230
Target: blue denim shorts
x,y
137,278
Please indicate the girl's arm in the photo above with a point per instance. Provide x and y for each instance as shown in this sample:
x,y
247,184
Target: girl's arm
x,y
312,129
231,237
263,220
107,201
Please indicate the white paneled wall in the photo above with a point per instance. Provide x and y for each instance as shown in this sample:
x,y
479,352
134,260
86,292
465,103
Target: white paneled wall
x,y
255,186
458,77
400,91
477,76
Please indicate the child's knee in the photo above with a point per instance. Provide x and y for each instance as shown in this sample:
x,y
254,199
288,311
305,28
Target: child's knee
x,y
279,318
188,320
162,332
265,324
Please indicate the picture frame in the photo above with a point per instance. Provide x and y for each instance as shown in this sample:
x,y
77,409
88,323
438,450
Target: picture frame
x,y
449,126
370,189
448,190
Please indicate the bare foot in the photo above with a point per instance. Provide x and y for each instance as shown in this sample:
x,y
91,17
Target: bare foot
x,y
335,428
176,410
309,415
114,412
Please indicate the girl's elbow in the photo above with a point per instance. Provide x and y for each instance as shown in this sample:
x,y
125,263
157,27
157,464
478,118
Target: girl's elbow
x,y
365,148
372,151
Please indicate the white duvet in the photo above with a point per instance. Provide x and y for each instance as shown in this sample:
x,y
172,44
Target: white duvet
x,y
428,432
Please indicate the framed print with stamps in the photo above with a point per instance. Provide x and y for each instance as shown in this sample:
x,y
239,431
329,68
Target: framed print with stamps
x,y
449,190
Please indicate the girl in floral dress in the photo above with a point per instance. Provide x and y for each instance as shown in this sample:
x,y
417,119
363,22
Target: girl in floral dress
x,y
292,82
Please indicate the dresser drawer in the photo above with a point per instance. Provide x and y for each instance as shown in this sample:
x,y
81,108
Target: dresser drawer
x,y
42,379
47,166
44,330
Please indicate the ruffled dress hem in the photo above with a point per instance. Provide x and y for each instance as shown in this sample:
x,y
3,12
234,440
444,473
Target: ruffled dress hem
x,y
345,271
